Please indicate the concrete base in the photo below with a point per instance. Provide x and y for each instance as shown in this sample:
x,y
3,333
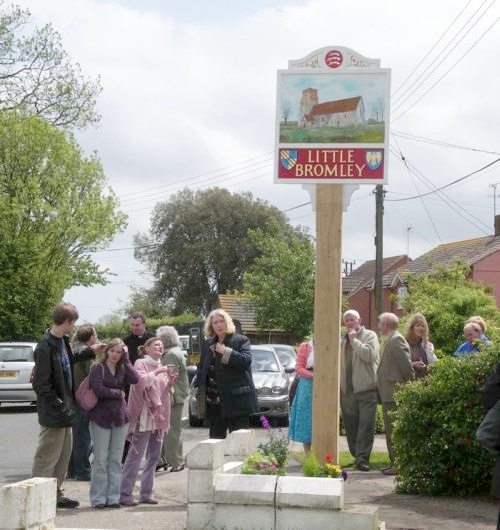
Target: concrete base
x,y
29,505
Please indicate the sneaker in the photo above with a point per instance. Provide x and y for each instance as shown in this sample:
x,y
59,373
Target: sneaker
x,y
128,502
149,501
177,469
64,502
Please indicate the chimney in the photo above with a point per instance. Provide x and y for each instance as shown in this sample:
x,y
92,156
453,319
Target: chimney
x,y
497,225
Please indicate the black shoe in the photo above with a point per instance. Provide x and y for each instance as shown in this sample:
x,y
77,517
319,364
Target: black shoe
x,y
114,505
161,467
99,506
176,469
362,466
64,502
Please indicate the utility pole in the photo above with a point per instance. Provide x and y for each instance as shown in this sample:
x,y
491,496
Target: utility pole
x,y
379,247
494,186
408,228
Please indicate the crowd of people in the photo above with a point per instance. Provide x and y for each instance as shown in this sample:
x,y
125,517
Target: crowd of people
x,y
141,385
371,374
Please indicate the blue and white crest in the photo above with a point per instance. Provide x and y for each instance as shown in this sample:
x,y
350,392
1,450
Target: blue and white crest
x,y
374,159
288,158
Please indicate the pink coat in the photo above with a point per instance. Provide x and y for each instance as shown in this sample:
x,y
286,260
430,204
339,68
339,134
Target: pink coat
x,y
156,398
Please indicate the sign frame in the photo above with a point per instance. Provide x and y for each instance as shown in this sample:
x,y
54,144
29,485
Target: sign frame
x,y
340,132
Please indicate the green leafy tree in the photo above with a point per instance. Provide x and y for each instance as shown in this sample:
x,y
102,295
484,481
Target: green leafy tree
x,y
56,210
37,76
280,283
198,245
448,297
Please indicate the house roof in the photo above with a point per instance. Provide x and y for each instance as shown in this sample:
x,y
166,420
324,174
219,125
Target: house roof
x,y
240,309
364,275
332,107
469,251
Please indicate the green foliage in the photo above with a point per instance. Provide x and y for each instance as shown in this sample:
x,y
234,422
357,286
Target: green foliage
x,y
259,464
198,246
434,433
56,211
277,443
311,466
280,283
37,76
447,297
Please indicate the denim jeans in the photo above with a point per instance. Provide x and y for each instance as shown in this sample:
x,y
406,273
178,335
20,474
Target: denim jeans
x,y
107,464
80,464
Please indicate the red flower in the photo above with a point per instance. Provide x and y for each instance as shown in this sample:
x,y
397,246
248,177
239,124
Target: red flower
x,y
329,459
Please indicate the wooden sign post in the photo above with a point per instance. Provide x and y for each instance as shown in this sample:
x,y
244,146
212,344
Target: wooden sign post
x,y
331,131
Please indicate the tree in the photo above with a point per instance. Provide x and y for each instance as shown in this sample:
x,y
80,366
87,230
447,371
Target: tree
x,y
198,245
55,211
37,75
286,110
280,283
447,297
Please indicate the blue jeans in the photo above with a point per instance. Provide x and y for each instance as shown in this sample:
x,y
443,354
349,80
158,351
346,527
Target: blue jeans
x,y
107,464
80,464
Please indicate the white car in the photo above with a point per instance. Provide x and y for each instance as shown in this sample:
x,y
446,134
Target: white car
x,y
17,364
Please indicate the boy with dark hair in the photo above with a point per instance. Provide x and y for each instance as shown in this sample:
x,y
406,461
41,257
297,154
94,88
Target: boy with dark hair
x,y
53,384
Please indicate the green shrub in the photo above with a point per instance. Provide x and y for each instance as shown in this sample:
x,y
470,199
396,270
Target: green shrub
x,y
434,432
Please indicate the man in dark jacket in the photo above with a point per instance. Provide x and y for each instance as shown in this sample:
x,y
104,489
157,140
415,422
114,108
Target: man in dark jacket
x,y
138,336
53,384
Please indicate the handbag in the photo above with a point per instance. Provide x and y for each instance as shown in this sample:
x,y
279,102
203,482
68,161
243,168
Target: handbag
x,y
85,396
293,388
488,432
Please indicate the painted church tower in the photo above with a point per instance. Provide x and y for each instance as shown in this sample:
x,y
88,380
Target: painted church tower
x,y
308,100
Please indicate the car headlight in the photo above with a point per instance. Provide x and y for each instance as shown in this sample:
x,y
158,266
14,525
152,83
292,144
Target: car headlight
x,y
278,390
264,391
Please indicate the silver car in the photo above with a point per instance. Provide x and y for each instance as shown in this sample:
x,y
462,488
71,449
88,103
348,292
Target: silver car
x,y
288,358
17,363
271,383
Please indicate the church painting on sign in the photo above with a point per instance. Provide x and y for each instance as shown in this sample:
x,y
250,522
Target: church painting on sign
x,y
332,108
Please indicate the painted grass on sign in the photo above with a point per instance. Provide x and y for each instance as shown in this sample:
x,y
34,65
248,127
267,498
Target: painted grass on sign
x,y
370,133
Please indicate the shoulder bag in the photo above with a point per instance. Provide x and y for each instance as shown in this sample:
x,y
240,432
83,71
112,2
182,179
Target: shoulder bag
x,y
85,396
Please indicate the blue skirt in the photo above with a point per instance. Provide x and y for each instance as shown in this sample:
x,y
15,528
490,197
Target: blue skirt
x,y
300,428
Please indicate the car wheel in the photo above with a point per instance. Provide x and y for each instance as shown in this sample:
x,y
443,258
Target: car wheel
x,y
283,422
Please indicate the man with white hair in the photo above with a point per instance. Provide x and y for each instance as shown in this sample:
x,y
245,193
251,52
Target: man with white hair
x,y
395,368
358,387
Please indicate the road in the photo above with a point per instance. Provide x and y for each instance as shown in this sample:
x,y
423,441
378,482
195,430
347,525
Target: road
x,y
19,438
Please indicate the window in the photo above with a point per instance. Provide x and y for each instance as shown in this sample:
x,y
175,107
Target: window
x,y
402,293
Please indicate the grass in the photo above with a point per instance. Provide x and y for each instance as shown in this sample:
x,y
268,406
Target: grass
x,y
367,133
378,460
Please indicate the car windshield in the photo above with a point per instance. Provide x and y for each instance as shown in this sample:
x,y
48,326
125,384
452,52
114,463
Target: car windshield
x,y
286,356
264,361
16,353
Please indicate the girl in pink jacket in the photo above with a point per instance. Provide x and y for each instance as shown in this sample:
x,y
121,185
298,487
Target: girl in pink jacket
x,y
149,411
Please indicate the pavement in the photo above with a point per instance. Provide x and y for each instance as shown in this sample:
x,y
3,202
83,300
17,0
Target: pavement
x,y
400,512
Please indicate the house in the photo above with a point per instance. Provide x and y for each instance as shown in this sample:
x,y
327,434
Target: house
x,y
359,288
239,308
481,254
339,113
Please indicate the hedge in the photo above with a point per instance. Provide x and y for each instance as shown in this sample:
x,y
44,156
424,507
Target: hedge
x,y
434,432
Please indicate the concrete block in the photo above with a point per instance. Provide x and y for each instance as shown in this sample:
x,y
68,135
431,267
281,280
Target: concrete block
x,y
208,454
310,492
200,515
245,489
232,467
359,518
200,485
30,504
240,517
240,443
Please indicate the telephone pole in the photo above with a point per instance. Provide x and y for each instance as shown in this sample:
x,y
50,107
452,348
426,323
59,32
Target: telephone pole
x,y
379,246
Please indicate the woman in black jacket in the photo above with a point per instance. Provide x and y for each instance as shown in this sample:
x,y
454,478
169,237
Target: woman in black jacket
x,y
226,393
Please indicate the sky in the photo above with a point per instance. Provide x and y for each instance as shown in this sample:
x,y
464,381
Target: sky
x,y
189,99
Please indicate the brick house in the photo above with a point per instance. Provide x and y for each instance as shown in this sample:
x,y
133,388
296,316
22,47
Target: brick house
x,y
359,288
